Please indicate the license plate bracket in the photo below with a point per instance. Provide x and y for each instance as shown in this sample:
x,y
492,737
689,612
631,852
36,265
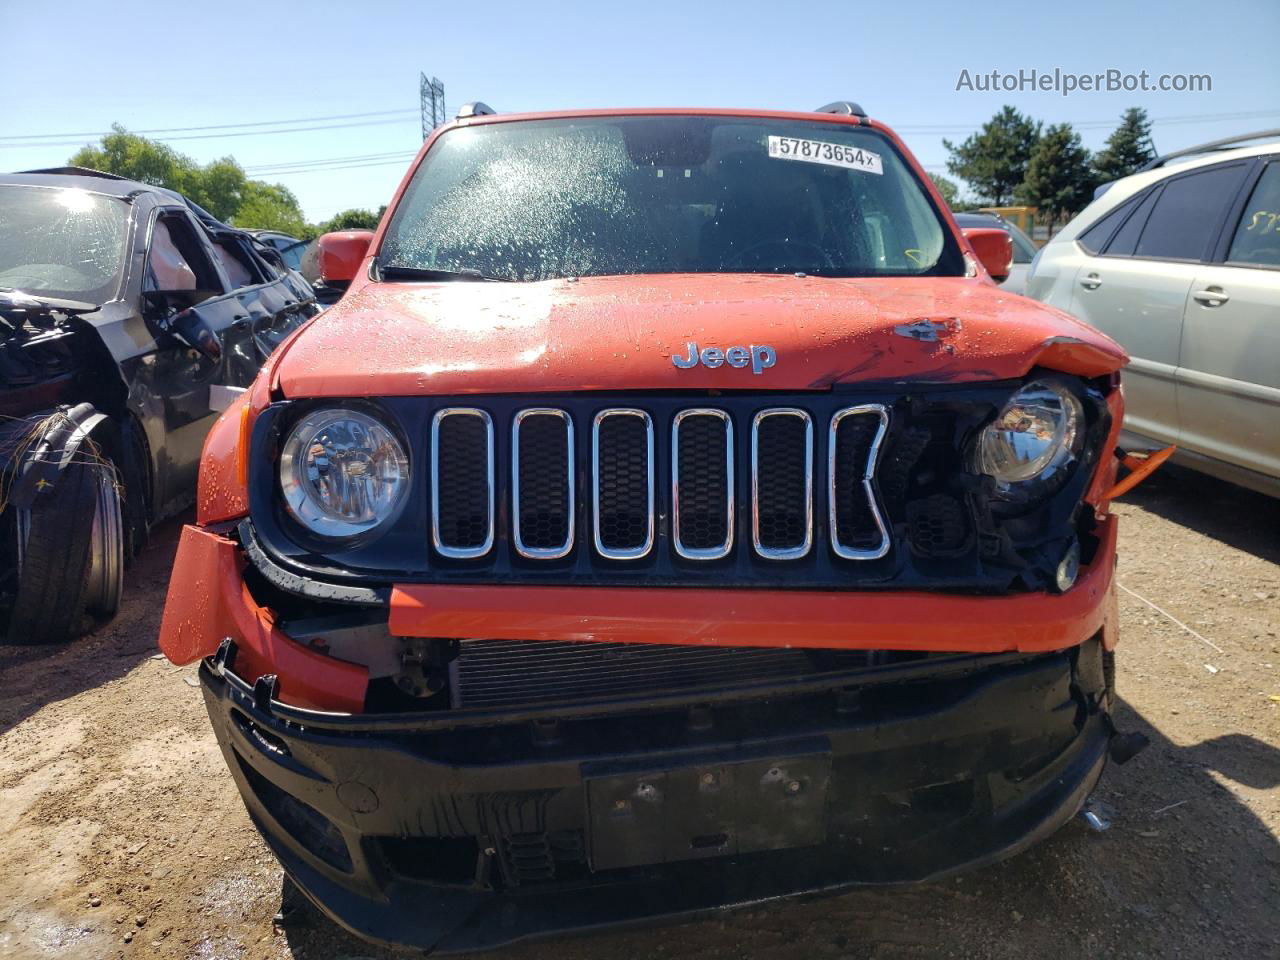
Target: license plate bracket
x,y
707,809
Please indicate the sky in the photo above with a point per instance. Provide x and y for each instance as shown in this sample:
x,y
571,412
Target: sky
x,y
72,69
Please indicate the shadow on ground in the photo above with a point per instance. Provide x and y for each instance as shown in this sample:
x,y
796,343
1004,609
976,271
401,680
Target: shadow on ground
x,y
31,677
1235,516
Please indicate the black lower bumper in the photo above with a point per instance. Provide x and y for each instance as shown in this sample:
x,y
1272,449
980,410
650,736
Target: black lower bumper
x,y
454,834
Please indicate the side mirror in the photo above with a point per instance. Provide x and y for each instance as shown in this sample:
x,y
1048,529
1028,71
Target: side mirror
x,y
341,254
172,310
994,248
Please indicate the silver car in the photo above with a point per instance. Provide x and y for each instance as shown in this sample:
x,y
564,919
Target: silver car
x,y
1023,249
1180,263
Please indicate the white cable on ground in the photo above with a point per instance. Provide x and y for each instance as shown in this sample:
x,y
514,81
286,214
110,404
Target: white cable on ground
x,y
1166,613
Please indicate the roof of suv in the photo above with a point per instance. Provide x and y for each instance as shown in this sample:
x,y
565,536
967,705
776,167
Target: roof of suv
x,y
1124,188
93,182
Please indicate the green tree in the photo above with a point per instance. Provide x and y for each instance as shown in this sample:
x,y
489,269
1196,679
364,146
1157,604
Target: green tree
x,y
1060,179
221,186
137,158
950,192
1128,148
353,219
269,206
994,160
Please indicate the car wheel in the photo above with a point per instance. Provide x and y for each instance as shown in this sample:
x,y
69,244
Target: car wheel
x,y
106,548
134,502
54,550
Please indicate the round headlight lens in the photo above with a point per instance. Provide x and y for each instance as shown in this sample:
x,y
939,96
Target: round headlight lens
x,y
342,473
1036,436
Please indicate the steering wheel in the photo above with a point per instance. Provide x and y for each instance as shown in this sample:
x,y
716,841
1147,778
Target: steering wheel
x,y
782,244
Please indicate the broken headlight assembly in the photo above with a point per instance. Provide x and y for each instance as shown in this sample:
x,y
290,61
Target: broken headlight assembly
x,y
343,473
1033,442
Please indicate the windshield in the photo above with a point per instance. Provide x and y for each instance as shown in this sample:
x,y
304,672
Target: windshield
x,y
1023,249
61,242
535,200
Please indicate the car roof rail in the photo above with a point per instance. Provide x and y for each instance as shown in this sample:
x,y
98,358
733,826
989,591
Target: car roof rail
x,y
79,172
844,107
475,109
1210,147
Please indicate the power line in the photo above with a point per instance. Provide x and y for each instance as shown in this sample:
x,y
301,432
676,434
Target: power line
x,y
216,136
216,126
353,166
285,164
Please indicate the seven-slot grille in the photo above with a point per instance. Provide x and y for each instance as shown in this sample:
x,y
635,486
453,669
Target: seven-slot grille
x,y
622,500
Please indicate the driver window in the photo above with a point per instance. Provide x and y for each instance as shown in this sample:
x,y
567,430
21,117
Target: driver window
x,y
176,260
1257,237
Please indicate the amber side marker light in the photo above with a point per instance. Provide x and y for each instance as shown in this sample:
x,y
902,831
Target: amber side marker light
x,y
242,448
1140,467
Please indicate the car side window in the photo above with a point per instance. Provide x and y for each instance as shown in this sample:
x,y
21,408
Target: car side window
x,y
1095,238
176,259
1256,241
240,271
1187,213
1024,250
1126,239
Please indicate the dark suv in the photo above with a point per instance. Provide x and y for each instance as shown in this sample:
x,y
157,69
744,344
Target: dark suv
x,y
129,318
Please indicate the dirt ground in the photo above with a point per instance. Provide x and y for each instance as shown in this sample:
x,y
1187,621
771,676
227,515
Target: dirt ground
x,y
122,835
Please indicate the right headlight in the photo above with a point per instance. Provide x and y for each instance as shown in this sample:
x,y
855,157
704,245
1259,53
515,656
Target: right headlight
x,y
1034,440
342,473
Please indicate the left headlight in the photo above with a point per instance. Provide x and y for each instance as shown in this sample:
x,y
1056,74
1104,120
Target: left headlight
x,y
343,473
1030,446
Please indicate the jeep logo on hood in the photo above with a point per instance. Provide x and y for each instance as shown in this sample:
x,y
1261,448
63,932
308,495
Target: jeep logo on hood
x,y
761,358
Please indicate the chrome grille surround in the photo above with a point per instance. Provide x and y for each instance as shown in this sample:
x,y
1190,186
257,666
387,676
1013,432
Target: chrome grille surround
x,y
806,544
723,549
614,553
571,501
845,551
444,549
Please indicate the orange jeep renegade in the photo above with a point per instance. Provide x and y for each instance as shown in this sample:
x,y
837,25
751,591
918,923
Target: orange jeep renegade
x,y
672,514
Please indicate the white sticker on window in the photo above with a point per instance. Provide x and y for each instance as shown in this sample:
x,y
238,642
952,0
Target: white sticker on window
x,y
830,154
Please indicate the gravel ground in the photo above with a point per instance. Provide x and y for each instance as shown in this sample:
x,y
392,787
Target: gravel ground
x,y
124,837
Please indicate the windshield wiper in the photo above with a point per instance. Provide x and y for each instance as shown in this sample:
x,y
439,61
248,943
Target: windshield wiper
x,y
18,301
424,273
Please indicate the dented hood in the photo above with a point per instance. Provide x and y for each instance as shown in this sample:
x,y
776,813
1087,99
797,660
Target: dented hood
x,y
620,333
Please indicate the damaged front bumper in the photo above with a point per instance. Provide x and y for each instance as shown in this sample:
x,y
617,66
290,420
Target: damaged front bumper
x,y
464,830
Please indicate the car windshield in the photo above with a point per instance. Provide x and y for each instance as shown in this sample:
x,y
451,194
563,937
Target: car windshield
x,y
61,242
535,200
1024,250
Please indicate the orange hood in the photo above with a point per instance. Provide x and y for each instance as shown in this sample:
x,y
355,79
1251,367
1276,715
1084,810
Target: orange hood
x,y
620,333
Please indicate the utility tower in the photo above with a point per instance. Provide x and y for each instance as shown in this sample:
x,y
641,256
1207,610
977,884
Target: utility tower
x,y
431,92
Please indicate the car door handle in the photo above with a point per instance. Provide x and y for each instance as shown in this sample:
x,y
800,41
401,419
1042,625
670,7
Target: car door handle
x,y
1211,296
1091,282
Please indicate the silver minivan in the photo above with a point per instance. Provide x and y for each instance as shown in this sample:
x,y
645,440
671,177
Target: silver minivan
x,y
1180,263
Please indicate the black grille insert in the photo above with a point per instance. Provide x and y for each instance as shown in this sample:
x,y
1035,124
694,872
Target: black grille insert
x,y
857,530
702,483
623,471
462,463
510,673
542,448
782,483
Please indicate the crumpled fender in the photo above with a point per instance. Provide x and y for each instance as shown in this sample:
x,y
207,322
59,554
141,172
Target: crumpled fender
x,y
63,435
209,602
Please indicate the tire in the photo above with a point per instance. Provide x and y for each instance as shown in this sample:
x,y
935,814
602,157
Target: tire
x,y
106,547
135,506
55,539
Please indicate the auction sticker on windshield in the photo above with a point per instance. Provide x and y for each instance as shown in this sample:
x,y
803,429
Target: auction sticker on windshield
x,y
831,154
